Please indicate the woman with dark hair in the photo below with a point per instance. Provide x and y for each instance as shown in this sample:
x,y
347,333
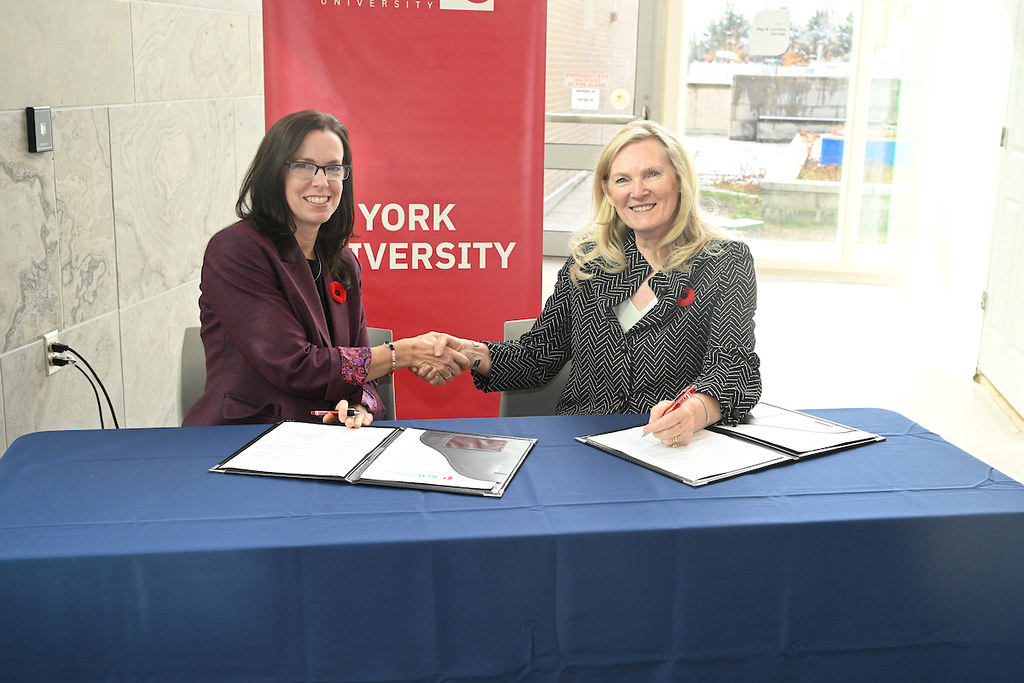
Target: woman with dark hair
x,y
281,310
654,300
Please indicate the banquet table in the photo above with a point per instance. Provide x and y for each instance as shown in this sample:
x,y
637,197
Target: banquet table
x,y
123,558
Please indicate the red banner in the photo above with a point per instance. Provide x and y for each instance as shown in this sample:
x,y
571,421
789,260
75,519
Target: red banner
x,y
444,102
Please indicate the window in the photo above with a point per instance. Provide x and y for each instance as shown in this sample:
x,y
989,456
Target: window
x,y
801,121
599,77
800,142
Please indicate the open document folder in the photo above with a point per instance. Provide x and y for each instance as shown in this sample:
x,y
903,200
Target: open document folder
x,y
457,462
768,436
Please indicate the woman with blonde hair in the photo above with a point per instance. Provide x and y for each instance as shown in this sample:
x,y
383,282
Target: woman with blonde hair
x,y
652,301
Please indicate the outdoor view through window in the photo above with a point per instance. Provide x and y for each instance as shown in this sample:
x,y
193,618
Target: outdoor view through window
x,y
792,116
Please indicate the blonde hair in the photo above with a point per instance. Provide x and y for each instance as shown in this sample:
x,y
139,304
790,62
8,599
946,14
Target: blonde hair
x,y
600,244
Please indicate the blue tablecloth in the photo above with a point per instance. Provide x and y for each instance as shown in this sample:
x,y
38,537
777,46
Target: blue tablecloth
x,y
122,558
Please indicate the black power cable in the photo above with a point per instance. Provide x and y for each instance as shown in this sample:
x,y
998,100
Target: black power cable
x,y
60,361
58,347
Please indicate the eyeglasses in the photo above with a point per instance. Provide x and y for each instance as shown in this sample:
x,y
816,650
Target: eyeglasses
x,y
306,170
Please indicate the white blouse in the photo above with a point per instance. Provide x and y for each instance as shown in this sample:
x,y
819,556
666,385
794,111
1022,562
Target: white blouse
x,y
630,315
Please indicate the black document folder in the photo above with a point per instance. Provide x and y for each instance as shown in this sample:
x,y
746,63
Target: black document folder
x,y
794,433
768,436
456,462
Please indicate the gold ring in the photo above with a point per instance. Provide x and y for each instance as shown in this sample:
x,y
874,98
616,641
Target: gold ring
x,y
675,441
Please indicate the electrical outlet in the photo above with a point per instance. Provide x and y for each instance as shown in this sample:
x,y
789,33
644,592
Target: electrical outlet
x,y
49,339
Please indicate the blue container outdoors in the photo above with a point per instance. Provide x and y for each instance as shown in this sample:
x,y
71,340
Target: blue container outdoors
x,y
877,149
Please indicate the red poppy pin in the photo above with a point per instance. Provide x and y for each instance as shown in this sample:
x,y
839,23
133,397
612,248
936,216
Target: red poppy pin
x,y
337,292
687,298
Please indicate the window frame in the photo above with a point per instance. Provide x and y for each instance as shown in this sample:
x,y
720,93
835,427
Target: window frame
x,y
647,99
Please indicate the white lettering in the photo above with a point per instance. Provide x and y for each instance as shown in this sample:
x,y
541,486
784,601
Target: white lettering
x,y
420,217
386,4
398,256
503,253
482,246
444,250
399,224
369,216
420,256
425,256
375,260
443,217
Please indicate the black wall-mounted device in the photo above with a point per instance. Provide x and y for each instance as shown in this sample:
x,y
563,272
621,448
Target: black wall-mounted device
x,y
40,129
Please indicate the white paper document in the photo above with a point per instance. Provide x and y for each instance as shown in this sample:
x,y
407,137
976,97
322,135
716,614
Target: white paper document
x,y
309,449
457,462
767,436
708,456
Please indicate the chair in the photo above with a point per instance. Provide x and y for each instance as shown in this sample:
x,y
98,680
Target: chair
x,y
539,401
385,384
192,371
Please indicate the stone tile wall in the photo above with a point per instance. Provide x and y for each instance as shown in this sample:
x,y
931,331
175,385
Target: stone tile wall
x,y
157,111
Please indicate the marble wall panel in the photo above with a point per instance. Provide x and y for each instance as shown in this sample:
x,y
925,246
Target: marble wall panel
x,y
35,401
151,335
29,262
250,128
248,6
182,53
65,53
256,55
174,185
4,443
85,214
153,179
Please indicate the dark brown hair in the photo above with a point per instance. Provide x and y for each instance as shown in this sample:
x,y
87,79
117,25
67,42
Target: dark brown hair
x,y
262,200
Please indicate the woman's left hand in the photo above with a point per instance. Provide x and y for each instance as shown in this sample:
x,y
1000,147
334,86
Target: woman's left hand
x,y
361,419
673,429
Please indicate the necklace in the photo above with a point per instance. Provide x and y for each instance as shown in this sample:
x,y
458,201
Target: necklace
x,y
319,268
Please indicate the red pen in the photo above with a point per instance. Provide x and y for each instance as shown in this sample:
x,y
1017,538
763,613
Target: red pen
x,y
351,412
680,400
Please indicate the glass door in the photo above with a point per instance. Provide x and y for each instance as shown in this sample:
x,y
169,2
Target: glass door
x,y
599,76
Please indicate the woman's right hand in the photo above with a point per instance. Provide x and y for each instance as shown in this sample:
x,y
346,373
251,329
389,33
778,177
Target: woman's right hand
x,y
434,356
478,354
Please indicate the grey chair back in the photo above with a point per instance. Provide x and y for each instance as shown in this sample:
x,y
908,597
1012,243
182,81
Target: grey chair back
x,y
192,371
386,384
539,401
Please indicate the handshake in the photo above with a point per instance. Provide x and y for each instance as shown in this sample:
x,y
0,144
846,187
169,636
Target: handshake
x,y
434,357
438,358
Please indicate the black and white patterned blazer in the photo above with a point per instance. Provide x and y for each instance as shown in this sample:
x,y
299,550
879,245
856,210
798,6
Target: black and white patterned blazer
x,y
700,332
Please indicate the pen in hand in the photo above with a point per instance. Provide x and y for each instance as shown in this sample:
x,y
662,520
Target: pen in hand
x,y
680,400
351,412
